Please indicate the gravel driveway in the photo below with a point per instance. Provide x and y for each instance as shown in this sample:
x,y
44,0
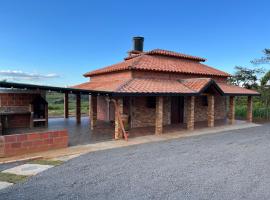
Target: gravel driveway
x,y
228,165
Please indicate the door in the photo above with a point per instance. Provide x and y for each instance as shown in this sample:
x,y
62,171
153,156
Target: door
x,y
177,110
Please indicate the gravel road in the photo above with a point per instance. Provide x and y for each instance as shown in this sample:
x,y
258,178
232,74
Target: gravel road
x,y
227,165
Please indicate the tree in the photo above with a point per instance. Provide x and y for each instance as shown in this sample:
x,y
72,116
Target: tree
x,y
263,60
265,78
246,77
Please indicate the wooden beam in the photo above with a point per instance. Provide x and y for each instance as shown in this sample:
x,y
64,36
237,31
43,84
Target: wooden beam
x,y
78,108
66,107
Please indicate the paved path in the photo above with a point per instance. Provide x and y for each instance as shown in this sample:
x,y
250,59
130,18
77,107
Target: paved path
x,y
227,165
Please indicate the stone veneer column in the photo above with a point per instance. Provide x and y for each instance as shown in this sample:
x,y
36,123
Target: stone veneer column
x,y
249,109
66,113
159,116
231,114
93,111
118,134
190,113
211,110
78,108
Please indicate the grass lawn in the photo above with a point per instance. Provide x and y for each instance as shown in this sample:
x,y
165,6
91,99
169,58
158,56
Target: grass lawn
x,y
46,162
12,178
56,104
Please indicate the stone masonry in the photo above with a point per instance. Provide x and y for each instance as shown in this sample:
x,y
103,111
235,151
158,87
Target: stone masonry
x,y
190,112
159,116
210,110
231,114
249,109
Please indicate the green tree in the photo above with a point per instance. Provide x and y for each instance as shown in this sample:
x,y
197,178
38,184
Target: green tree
x,y
265,78
246,77
263,60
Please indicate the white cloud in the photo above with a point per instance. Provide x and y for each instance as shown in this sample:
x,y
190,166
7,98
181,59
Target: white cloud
x,y
17,75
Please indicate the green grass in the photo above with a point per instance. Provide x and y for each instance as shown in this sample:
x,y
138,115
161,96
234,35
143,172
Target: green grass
x,y
47,162
12,178
56,104
258,112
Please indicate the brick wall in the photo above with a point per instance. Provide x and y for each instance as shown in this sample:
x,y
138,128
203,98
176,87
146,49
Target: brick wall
x,y
102,108
112,76
11,145
142,116
16,99
164,75
201,110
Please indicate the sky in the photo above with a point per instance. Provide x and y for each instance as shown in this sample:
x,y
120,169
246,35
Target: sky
x,y
54,42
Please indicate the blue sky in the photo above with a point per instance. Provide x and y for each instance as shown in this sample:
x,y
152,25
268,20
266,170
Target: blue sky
x,y
55,41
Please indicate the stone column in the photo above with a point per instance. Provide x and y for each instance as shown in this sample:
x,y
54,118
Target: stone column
x,y
78,108
249,109
211,110
190,113
93,111
231,114
118,134
66,113
159,116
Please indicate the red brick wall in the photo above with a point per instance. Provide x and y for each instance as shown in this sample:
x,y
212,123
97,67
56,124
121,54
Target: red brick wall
x,y
16,99
112,76
102,110
11,145
163,75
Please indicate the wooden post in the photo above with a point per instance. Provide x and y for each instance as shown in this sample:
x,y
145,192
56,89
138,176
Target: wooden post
x,y
190,113
78,108
211,111
249,109
93,111
66,109
231,114
159,116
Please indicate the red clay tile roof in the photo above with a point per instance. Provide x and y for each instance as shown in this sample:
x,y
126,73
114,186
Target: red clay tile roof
x,y
162,52
147,85
162,62
196,84
110,86
193,86
232,89
138,85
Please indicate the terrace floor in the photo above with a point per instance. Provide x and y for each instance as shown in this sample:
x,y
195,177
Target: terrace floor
x,y
81,134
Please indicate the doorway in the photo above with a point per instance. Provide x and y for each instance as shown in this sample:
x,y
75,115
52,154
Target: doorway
x,y
177,110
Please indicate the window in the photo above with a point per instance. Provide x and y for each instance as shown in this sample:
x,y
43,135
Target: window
x,y
204,100
151,102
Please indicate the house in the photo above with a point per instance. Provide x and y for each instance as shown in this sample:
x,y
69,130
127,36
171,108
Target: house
x,y
159,88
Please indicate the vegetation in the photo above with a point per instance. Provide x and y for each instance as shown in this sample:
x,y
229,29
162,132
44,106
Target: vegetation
x,y
46,162
56,104
249,78
12,178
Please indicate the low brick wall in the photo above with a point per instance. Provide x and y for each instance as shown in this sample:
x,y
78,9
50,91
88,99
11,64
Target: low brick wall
x,y
11,145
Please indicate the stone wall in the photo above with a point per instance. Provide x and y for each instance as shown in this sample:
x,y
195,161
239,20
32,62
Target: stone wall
x,y
17,144
142,116
200,113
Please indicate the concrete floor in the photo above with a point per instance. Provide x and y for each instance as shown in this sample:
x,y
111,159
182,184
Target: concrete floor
x,y
80,134
228,165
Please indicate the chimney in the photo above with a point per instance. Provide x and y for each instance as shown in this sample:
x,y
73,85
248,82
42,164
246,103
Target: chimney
x,y
137,46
